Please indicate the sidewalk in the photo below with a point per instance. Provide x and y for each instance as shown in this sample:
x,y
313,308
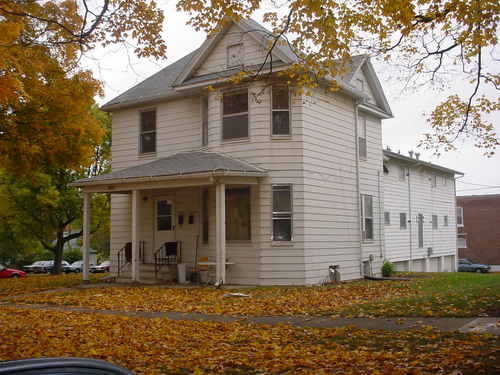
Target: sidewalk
x,y
480,325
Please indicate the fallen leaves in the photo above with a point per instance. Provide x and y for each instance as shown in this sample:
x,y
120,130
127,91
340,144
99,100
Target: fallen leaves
x,y
162,346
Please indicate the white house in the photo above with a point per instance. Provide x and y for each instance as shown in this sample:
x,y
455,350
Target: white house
x,y
267,185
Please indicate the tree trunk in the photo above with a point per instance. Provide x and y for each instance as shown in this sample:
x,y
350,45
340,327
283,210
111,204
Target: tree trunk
x,y
58,252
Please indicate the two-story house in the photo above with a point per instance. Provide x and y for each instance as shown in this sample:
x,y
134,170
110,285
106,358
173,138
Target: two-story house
x,y
266,184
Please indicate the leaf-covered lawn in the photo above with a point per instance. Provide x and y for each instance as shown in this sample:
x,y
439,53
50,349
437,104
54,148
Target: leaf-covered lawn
x,y
35,283
427,295
162,346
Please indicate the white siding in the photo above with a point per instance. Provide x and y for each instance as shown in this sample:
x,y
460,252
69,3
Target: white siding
x,y
425,200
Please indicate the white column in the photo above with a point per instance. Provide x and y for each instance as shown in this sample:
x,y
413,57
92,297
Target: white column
x,y
220,234
135,234
87,199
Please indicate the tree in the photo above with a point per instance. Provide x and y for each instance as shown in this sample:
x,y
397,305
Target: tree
x,y
432,40
44,95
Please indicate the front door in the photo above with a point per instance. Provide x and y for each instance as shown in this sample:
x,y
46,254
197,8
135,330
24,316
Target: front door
x,y
164,222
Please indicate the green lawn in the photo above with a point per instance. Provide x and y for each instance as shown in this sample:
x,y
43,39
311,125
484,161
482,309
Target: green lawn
x,y
445,294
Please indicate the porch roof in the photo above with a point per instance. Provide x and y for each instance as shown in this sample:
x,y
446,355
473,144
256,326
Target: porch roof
x,y
186,164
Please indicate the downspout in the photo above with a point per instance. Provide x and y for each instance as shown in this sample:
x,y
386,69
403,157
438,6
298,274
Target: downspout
x,y
358,198
380,213
410,262
455,213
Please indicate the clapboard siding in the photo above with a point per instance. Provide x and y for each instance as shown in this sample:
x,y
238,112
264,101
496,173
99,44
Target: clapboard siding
x,y
426,200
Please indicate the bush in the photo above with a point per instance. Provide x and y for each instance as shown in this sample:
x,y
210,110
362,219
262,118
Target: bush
x,y
387,269
72,255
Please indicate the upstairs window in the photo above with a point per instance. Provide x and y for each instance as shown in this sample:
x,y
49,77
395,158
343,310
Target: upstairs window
x,y
280,110
235,115
434,222
433,181
445,220
204,121
367,216
402,173
362,137
460,216
147,139
282,213
402,220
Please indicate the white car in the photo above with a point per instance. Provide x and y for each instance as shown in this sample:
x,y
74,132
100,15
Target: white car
x,y
103,267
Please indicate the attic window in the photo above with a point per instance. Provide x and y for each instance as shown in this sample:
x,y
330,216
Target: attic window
x,y
360,84
234,55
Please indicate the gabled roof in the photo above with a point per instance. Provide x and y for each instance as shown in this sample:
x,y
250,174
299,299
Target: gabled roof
x,y
167,82
417,162
181,164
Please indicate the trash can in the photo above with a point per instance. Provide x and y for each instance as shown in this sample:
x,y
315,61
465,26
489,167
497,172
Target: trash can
x,y
181,273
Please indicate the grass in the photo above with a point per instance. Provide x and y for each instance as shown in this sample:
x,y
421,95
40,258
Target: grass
x,y
445,294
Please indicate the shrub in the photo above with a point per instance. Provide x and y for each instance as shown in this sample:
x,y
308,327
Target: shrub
x,y
387,269
72,255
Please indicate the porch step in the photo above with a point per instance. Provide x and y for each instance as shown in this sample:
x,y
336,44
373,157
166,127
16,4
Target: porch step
x,y
147,273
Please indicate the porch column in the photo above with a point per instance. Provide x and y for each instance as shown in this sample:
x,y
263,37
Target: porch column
x,y
87,199
220,234
135,234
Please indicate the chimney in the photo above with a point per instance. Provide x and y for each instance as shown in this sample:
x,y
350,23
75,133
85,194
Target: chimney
x,y
417,155
410,153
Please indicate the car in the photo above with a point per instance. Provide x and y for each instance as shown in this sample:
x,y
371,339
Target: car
x,y
465,265
61,366
39,266
103,267
77,266
10,272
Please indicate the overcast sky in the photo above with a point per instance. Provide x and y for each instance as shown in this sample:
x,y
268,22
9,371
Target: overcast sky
x,y
119,70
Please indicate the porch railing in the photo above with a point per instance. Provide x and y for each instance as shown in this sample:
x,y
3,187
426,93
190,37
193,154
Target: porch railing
x,y
168,253
125,255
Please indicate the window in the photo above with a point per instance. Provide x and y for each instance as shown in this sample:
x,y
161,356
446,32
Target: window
x,y
163,215
280,110
234,55
238,214
433,180
235,115
445,180
445,220
147,132
205,215
434,222
402,220
367,216
362,136
360,84
387,218
420,230
282,212
402,173
204,121
460,216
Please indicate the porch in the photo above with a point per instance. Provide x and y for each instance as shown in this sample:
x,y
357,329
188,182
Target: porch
x,y
173,211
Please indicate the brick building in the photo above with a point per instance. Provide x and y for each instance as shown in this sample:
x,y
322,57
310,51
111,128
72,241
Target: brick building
x,y
478,221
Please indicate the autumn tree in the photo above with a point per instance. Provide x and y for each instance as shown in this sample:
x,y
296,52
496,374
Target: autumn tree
x,y
431,40
45,96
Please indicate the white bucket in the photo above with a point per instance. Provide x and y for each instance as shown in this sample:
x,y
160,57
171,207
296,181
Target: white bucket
x,y
181,273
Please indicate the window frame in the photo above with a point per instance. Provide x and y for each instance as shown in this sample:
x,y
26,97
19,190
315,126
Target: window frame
x,y
247,113
141,132
402,173
403,219
461,223
248,188
364,217
289,110
445,220
387,218
362,118
204,120
433,181
241,56
281,215
434,222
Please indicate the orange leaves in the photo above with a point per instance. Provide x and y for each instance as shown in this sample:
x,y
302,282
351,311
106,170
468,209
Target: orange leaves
x,y
161,346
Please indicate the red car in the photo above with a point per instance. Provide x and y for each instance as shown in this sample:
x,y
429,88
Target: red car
x,y
10,272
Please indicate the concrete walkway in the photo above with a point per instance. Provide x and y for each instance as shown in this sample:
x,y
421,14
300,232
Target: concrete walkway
x,y
480,325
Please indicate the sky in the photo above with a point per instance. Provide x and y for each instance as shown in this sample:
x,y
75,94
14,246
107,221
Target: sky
x,y
119,69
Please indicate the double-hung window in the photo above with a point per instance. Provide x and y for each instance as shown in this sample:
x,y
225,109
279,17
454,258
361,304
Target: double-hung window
x,y
362,137
280,110
387,218
445,220
367,216
402,220
147,138
434,222
460,216
402,173
235,115
204,121
282,212
433,181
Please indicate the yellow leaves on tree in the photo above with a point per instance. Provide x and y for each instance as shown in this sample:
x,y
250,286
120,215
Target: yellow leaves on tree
x,y
45,98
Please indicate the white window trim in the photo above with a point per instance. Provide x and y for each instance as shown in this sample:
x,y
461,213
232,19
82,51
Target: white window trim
x,y
362,118
363,217
388,216
405,221
435,223
223,116
461,215
281,213
289,110
242,55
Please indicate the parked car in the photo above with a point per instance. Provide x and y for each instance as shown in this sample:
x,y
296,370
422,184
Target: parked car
x,y
61,366
77,266
10,272
465,265
103,267
40,266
